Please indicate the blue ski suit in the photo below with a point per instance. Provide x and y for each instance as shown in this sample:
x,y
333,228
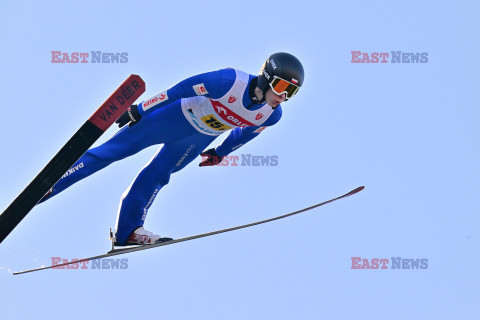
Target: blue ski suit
x,y
180,118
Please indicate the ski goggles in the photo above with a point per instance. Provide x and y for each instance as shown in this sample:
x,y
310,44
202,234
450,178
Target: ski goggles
x,y
281,86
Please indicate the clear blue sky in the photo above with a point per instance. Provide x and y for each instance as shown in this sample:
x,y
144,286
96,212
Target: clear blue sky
x,y
408,132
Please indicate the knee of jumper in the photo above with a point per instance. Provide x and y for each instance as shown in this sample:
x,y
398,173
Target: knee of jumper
x,y
163,178
100,155
159,178
146,182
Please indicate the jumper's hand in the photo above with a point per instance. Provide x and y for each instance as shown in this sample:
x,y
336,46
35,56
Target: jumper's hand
x,y
131,116
212,158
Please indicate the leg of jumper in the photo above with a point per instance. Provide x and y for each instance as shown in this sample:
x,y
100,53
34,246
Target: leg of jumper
x,y
117,148
128,141
139,196
155,128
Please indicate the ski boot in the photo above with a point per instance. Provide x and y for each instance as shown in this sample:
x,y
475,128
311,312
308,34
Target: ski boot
x,y
139,236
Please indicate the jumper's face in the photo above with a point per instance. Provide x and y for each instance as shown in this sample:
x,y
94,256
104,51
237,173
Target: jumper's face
x,y
274,99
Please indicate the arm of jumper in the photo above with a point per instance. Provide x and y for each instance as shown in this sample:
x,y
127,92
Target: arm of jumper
x,y
211,84
239,136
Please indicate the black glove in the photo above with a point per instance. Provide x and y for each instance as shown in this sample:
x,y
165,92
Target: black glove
x,y
212,158
131,116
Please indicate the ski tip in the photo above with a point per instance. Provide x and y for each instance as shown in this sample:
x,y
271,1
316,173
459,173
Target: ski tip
x,y
355,191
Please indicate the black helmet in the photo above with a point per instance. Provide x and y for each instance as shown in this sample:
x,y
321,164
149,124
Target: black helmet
x,y
282,72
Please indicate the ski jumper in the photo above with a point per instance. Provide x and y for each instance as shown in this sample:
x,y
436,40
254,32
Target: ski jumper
x,y
185,118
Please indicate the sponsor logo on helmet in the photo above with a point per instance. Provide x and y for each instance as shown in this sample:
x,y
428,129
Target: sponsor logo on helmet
x,y
200,89
232,99
265,73
259,116
272,62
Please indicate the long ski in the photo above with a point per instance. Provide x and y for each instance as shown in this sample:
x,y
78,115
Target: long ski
x,y
115,252
81,141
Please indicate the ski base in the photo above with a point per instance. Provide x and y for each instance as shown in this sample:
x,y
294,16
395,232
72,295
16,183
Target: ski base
x,y
134,245
115,251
